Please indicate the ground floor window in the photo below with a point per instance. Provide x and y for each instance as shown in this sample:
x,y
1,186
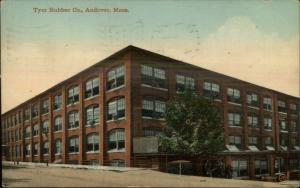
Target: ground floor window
x,y
239,168
94,162
117,163
261,167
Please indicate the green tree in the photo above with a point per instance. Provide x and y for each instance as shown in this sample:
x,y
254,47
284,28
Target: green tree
x,y
193,126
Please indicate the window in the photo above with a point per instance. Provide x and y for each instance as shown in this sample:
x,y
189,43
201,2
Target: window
x,y
27,132
92,115
267,103
73,119
36,149
283,141
252,121
34,111
57,147
74,144
73,95
45,127
27,150
46,147
154,77
235,140
293,108
116,109
45,107
281,106
293,126
117,140
283,126
233,95
184,82
117,163
267,123
17,118
93,142
57,102
269,141
294,164
58,124
153,108
92,87
211,90
151,131
279,165
239,168
252,141
27,114
17,134
234,119
252,99
116,77
36,130
261,167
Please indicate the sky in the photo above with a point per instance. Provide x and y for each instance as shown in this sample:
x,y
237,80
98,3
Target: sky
x,y
256,41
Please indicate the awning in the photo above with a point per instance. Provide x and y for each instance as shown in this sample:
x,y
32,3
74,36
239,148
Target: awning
x,y
270,148
253,148
232,148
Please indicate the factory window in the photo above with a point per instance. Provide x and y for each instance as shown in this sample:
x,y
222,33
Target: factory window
x,y
92,115
57,149
154,77
252,121
293,108
267,103
261,167
116,109
92,87
73,95
268,141
57,123
34,111
45,127
27,132
45,107
27,114
235,140
283,125
27,149
233,95
294,126
252,99
74,144
116,140
36,130
281,106
36,149
116,77
268,123
211,90
57,102
73,119
46,147
184,82
153,108
239,168
252,141
93,142
234,119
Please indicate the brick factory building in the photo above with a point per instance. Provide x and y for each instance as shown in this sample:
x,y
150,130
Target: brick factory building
x,y
110,113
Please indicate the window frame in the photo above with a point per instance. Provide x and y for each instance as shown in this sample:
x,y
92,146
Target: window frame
x,y
116,77
92,87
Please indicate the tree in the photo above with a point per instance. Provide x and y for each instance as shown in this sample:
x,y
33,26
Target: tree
x,y
193,126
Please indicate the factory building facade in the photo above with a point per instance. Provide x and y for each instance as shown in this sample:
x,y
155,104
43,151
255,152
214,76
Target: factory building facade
x,y
95,116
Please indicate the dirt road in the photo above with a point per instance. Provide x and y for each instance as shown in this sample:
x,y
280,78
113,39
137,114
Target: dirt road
x,y
58,177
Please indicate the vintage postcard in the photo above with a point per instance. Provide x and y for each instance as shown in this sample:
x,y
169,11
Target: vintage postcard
x,y
149,93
